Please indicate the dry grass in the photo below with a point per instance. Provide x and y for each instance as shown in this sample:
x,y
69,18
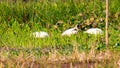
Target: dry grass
x,y
91,59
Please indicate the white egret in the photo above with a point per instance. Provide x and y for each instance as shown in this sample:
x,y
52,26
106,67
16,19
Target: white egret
x,y
40,34
71,31
95,31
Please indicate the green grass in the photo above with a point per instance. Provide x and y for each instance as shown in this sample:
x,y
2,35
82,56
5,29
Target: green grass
x,y
18,20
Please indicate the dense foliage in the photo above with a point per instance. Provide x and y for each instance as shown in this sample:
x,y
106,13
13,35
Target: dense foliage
x,y
18,19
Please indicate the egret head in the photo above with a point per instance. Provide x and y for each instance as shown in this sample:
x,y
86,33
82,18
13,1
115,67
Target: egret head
x,y
80,26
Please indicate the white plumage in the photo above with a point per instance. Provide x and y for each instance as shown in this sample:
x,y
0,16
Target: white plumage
x,y
95,31
70,31
40,34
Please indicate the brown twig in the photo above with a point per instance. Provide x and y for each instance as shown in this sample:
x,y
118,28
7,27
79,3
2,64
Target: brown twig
x,y
107,23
